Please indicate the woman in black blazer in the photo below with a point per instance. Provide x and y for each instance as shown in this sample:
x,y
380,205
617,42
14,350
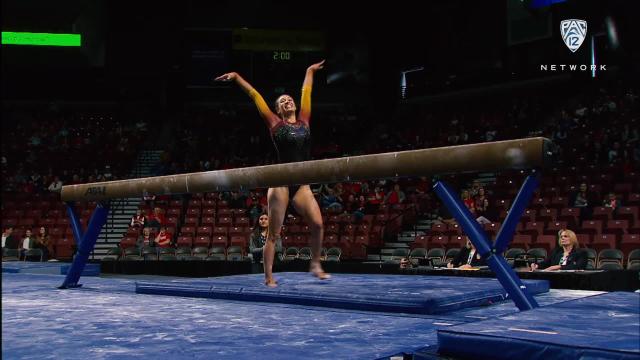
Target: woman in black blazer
x,y
567,256
467,258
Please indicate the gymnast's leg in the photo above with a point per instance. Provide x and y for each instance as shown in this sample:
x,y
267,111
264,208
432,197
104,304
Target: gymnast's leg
x,y
307,206
277,200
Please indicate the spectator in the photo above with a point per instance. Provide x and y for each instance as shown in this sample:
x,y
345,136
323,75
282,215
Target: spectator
x,y
611,201
149,200
259,238
405,263
156,220
27,243
566,256
56,185
145,239
137,220
584,200
467,258
468,201
395,196
44,242
331,202
9,241
374,199
164,238
481,203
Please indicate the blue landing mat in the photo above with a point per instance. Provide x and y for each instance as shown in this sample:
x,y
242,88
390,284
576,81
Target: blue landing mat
x,y
54,268
598,327
105,319
382,293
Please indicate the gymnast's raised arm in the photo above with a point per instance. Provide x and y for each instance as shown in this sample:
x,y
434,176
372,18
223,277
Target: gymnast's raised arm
x,y
305,101
269,117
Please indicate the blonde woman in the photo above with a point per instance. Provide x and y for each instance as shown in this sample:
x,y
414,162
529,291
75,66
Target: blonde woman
x,y
567,256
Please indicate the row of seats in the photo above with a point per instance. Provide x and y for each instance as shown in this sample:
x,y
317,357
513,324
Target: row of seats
x,y
597,260
216,253
625,243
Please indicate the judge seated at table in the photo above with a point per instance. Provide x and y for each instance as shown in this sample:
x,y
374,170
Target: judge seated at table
x,y
467,258
566,256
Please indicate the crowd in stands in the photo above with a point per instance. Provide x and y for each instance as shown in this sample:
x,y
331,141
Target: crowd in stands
x,y
593,189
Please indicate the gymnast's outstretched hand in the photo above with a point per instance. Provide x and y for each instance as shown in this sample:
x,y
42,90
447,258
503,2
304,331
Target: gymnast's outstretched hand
x,y
231,76
317,66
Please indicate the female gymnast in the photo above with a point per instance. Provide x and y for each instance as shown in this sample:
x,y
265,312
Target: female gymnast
x,y
291,136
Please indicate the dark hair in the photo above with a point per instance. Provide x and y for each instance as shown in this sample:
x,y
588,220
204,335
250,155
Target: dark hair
x,y
256,227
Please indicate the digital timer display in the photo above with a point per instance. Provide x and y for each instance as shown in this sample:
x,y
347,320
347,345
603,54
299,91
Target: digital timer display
x,y
281,55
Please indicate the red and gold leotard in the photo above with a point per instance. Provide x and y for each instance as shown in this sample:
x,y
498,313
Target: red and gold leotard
x,y
291,140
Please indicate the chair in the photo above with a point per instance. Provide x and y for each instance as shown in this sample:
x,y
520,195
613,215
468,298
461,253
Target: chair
x,y
291,253
132,253
333,254
592,256
113,254
610,266
548,242
421,241
436,255
168,251
217,253
200,252
304,253
604,241
608,256
399,253
418,253
633,261
182,253
451,254
33,253
10,254
149,252
522,241
234,253
514,253
537,254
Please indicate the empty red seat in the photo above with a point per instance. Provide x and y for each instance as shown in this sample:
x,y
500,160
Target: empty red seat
x,y
547,242
202,241
618,227
185,241
629,243
554,227
603,241
629,213
521,241
546,215
602,213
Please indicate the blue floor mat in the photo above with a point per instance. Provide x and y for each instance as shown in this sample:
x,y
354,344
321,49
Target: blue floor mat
x,y
55,268
106,319
604,326
384,293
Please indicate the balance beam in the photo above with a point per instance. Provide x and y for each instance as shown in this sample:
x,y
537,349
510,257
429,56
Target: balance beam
x,y
490,156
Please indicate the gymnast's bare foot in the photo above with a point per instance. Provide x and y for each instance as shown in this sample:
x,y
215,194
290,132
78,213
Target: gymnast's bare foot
x,y
270,282
316,270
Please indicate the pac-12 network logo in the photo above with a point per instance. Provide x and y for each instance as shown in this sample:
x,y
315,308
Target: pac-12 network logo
x,y
573,33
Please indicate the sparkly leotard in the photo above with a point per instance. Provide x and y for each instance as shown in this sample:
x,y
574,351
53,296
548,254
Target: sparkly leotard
x,y
291,140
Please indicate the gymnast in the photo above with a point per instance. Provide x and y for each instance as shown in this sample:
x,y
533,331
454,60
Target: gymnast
x,y
291,136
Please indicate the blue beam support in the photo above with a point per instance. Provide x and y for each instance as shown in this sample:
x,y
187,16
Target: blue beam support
x,y
504,273
508,228
85,244
76,227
